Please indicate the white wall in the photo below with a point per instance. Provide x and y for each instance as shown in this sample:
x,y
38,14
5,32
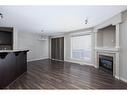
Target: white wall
x,y
100,38
38,49
123,51
106,37
109,37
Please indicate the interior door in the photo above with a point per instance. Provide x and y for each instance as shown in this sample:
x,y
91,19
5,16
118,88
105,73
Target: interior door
x,y
57,48
53,45
61,53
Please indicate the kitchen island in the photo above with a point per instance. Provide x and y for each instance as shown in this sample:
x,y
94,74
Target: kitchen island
x,y
13,63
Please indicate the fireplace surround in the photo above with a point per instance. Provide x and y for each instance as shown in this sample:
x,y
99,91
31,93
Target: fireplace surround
x,y
111,53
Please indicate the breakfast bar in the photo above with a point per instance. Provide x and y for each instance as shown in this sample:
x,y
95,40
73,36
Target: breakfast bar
x,y
13,63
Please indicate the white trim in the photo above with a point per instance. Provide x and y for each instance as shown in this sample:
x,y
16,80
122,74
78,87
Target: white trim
x,y
36,59
96,66
56,59
57,36
77,62
15,38
117,67
80,60
80,33
123,79
117,36
79,30
117,77
110,50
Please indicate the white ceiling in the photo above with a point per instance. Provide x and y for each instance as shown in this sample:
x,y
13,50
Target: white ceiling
x,y
56,18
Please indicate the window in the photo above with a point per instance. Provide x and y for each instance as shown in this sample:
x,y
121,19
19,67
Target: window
x,y
81,48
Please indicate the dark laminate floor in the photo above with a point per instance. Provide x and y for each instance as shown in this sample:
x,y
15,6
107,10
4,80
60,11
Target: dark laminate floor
x,y
47,74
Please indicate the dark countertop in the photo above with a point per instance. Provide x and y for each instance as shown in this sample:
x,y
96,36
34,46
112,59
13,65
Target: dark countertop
x,y
9,51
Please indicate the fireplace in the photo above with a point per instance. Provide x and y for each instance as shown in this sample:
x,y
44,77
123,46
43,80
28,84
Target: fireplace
x,y
106,63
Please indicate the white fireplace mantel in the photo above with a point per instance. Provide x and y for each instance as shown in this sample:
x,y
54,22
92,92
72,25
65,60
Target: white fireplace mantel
x,y
106,49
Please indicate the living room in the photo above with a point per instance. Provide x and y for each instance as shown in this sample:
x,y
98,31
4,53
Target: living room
x,y
63,47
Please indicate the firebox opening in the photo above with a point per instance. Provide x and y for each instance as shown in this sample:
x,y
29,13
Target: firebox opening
x,y
106,63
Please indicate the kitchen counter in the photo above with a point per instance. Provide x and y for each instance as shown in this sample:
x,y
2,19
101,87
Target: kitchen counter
x,y
13,63
7,51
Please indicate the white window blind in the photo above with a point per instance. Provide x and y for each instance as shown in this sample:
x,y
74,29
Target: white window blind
x,y
81,47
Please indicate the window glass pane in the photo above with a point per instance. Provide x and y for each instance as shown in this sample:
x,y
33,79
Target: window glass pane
x,y
81,47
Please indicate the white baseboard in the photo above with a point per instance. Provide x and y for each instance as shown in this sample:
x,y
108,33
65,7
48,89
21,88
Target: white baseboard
x,y
37,59
117,77
56,59
81,63
123,79
120,78
96,66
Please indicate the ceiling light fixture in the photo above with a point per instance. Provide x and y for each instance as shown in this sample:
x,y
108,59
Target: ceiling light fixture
x,y
86,20
43,36
1,15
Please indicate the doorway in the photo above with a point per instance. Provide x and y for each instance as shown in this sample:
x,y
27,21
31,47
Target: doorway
x,y
57,48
